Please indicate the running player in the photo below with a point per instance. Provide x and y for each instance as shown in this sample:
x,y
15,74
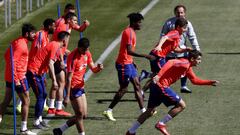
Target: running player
x,y
160,91
37,68
77,63
20,60
167,44
125,66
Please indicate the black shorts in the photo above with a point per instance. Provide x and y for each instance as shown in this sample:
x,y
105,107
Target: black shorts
x,y
57,67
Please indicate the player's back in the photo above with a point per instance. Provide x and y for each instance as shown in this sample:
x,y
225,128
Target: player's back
x,y
172,71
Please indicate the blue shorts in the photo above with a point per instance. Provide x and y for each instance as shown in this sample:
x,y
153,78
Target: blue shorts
x,y
24,87
126,72
75,93
162,95
157,64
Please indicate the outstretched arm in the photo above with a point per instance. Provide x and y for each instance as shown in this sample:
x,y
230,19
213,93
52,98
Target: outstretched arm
x,y
197,81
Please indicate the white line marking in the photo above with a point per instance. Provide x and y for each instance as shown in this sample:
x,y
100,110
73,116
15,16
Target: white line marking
x,y
117,41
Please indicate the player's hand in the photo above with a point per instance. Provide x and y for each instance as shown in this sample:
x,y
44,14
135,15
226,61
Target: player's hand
x,y
86,22
150,57
100,66
66,101
156,79
18,83
215,83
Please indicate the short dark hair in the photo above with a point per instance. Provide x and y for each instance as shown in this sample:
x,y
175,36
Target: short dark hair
x,y
194,54
135,17
69,6
179,6
70,15
83,43
61,35
47,22
26,28
181,22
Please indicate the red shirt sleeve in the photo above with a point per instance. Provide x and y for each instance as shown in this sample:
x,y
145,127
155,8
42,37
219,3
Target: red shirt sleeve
x,y
195,80
55,51
70,64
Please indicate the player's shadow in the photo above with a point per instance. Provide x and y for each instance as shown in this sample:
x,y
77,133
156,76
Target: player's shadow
x,y
1,133
102,101
224,53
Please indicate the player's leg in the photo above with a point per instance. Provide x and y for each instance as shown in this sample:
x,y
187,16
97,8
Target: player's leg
x,y
170,98
153,101
79,105
59,97
123,77
23,93
137,87
184,88
7,99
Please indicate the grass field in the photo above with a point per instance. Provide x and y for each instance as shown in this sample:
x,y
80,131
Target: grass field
x,y
210,110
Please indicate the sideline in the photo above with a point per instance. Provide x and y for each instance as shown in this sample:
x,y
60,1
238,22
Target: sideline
x,y
104,55
117,41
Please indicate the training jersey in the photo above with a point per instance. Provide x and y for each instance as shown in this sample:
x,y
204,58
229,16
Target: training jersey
x,y
189,34
128,38
77,64
41,40
40,62
169,45
20,60
62,26
174,69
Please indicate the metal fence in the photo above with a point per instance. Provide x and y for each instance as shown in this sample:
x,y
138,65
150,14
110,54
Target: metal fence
x,y
16,9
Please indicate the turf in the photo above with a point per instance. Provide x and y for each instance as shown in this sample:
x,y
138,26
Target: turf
x,y
210,110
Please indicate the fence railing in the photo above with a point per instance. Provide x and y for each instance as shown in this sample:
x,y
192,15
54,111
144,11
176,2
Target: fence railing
x,y
16,9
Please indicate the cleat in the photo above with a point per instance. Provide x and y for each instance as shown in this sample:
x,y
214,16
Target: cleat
x,y
45,108
27,132
57,131
44,124
162,128
185,89
39,126
109,115
19,108
144,74
128,133
62,113
51,111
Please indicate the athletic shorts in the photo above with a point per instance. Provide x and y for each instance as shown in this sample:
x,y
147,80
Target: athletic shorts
x,y
157,64
75,93
162,95
57,67
37,84
126,72
24,87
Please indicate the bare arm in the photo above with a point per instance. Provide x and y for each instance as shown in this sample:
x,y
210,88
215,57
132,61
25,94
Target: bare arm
x,y
162,40
131,52
52,74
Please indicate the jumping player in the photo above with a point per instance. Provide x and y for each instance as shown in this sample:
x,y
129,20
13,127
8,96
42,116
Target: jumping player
x,y
20,61
77,63
125,66
160,91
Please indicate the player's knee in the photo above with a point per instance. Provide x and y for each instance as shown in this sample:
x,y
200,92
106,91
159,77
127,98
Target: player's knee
x,y
182,105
